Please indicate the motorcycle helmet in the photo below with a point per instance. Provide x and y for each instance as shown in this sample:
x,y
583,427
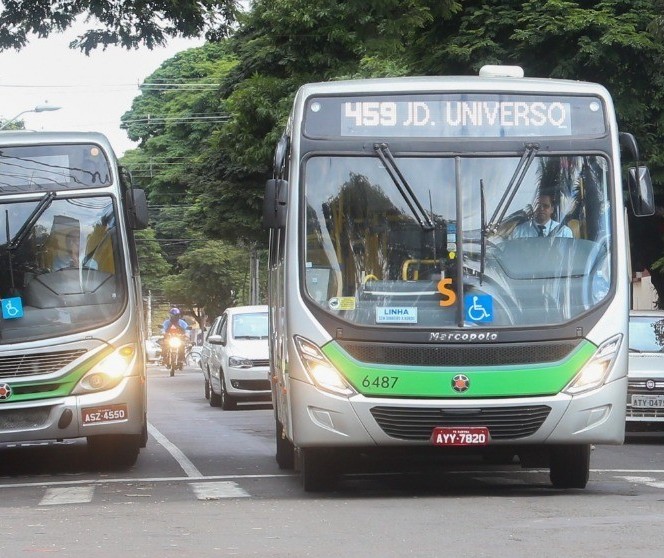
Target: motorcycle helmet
x,y
174,312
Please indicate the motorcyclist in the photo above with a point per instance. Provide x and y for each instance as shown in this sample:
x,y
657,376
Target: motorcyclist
x,y
174,325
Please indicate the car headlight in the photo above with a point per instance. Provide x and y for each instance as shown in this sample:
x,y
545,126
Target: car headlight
x,y
320,370
595,371
239,362
108,372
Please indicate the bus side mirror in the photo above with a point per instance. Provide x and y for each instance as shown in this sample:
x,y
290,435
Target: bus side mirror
x,y
640,191
137,208
274,203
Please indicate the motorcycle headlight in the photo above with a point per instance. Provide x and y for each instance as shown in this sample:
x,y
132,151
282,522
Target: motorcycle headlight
x,y
321,371
108,372
595,371
174,342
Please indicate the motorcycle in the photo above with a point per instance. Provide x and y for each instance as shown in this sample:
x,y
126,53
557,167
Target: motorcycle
x,y
174,352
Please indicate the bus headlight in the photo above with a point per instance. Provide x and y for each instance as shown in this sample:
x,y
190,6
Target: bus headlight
x,y
108,372
594,373
320,370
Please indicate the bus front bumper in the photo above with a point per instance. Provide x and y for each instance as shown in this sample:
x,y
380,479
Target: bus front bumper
x,y
320,419
120,410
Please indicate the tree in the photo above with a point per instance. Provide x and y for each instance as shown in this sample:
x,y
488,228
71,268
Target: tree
x,y
129,23
213,276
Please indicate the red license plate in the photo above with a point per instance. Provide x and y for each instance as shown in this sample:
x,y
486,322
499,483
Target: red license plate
x,y
460,436
104,413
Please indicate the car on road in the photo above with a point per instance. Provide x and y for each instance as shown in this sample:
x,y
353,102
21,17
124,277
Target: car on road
x,y
193,355
645,392
153,348
235,359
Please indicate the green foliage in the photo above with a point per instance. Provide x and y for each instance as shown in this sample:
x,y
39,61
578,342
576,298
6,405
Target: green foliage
x,y
154,266
129,23
214,275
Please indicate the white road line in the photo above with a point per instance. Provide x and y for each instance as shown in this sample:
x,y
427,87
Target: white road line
x,y
71,495
187,466
218,490
648,481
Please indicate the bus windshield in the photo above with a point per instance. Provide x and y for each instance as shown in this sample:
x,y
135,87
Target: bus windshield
x,y
512,243
58,259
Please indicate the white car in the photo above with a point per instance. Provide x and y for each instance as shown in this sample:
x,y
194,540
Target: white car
x,y
645,393
235,357
153,348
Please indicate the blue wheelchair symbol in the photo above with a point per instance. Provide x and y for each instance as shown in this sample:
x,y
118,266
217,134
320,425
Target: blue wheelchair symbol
x,y
12,308
478,308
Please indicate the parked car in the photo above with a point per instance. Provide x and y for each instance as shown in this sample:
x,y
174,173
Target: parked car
x,y
193,355
153,348
235,357
645,393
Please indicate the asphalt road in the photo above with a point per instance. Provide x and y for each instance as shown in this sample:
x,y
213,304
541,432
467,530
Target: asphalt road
x,y
208,485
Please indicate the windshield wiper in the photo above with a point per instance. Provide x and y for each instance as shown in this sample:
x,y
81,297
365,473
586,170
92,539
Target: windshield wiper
x,y
37,212
386,157
512,188
483,229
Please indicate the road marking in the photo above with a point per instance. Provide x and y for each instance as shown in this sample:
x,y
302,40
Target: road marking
x,y
187,466
71,495
218,490
648,481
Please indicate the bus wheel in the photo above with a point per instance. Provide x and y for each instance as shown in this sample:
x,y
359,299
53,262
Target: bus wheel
x,y
114,451
570,466
318,470
285,449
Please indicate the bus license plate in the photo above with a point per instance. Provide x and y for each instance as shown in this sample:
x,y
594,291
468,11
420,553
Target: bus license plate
x,y
460,436
648,401
104,413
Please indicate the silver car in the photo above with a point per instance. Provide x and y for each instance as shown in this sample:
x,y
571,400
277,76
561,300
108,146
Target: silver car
x,y
235,359
645,395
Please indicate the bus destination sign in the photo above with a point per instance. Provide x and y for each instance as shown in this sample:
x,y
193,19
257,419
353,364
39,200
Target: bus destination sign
x,y
454,116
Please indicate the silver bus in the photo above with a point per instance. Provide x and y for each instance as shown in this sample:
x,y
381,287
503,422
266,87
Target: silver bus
x,y
72,362
448,272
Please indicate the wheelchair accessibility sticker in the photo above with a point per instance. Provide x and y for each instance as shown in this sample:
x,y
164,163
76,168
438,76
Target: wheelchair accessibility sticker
x,y
478,308
12,308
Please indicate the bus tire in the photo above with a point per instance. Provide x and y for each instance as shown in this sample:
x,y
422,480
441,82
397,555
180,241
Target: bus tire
x,y
570,466
114,451
285,449
318,470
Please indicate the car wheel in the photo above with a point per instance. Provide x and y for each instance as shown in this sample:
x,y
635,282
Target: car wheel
x,y
206,389
228,402
215,399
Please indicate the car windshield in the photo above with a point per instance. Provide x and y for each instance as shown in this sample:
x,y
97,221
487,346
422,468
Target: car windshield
x,y
646,334
507,241
58,262
250,326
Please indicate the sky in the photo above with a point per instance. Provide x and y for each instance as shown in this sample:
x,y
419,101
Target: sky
x,y
93,91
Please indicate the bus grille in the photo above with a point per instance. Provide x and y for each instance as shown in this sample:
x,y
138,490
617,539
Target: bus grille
x,y
36,363
638,387
20,419
417,423
457,355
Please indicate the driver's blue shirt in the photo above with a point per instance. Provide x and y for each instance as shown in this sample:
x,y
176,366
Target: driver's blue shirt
x,y
180,323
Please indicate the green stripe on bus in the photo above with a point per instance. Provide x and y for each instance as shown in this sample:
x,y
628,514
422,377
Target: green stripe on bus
x,y
30,390
485,381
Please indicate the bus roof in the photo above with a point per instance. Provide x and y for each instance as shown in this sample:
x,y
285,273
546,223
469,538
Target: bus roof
x,y
427,84
28,137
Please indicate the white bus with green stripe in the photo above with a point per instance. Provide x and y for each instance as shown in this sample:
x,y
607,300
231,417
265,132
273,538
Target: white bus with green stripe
x,y
411,308
72,362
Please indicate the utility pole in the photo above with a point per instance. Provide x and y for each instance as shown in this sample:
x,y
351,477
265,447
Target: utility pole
x,y
149,313
254,293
